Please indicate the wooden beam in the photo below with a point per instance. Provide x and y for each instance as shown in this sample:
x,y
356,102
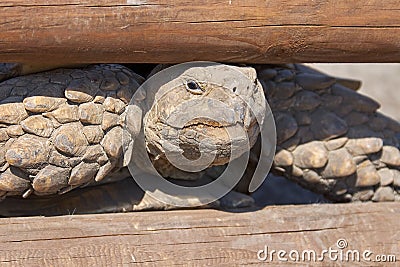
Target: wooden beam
x,y
202,237
156,31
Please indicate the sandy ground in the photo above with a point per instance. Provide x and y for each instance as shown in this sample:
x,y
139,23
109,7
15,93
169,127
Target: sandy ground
x,y
379,81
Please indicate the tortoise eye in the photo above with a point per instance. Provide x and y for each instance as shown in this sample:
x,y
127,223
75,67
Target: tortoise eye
x,y
194,87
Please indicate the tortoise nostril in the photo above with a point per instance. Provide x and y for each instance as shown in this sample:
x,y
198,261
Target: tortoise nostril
x,y
234,89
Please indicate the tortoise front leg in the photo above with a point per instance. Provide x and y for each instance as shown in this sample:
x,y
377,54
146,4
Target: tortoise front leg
x,y
331,139
62,129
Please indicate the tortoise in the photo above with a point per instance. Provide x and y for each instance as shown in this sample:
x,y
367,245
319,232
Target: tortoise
x,y
61,131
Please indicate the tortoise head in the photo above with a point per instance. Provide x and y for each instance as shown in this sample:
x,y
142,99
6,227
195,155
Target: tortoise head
x,y
201,114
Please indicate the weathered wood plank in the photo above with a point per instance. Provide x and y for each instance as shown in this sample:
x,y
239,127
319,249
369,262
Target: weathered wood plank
x,y
199,237
180,30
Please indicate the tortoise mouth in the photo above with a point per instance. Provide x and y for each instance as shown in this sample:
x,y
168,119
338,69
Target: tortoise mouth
x,y
206,122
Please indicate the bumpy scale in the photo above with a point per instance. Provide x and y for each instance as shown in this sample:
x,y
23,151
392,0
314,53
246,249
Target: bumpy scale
x,y
331,139
63,128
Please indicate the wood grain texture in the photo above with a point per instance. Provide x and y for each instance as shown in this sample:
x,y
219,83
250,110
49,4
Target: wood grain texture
x,y
175,31
199,237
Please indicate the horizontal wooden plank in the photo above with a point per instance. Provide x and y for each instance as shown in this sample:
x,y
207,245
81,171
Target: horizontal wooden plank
x,y
155,31
200,237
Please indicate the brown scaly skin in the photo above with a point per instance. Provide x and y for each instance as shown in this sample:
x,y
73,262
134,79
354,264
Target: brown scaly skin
x,y
9,70
331,139
62,129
